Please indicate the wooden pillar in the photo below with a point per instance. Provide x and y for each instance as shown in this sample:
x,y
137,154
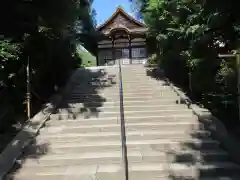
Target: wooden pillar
x,y
130,48
146,46
97,57
113,52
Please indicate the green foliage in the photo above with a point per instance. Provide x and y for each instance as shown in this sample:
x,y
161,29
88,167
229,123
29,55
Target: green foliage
x,y
9,54
8,50
189,35
87,59
43,32
152,59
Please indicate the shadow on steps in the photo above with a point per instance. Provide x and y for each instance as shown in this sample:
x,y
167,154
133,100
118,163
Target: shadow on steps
x,y
87,84
85,98
204,158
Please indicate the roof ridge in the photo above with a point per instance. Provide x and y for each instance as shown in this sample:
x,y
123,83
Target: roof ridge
x,y
118,10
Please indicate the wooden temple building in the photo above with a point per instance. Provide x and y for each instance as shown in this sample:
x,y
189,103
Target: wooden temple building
x,y
121,38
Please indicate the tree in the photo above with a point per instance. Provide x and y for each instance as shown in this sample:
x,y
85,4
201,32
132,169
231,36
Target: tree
x,y
189,35
43,31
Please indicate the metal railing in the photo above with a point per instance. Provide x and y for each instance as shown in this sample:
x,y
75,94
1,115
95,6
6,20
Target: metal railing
x,y
123,130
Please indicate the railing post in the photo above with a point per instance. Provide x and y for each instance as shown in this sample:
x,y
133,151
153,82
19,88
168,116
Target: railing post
x,y
123,130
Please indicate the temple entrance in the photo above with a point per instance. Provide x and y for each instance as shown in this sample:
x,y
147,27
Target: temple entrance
x,y
121,38
122,55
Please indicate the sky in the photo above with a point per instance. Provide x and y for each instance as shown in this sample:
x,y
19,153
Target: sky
x,y
105,8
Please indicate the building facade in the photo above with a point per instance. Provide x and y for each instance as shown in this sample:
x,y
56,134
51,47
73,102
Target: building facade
x,y
121,38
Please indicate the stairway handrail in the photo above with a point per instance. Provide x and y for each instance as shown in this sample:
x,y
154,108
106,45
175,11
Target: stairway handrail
x,y
122,118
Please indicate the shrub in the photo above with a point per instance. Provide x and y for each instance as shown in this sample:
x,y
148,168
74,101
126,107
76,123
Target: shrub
x,y
152,59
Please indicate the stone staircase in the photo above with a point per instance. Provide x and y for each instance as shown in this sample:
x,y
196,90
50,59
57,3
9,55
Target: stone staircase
x,y
82,140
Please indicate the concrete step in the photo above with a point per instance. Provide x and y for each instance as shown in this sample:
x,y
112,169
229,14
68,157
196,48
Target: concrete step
x,y
156,94
138,119
157,112
85,115
142,81
134,156
94,89
70,159
116,136
144,85
96,104
148,89
138,78
80,107
130,119
151,171
96,114
93,86
136,171
97,98
90,104
103,102
167,126
143,107
167,101
103,146
128,98
166,92
115,100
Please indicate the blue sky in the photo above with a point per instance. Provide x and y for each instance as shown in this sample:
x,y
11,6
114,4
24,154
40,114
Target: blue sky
x,y
105,8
